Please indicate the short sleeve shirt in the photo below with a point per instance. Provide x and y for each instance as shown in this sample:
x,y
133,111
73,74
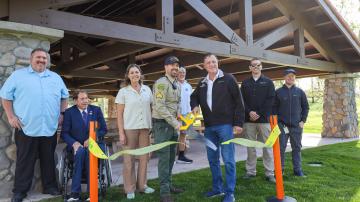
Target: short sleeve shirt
x,y
137,111
36,99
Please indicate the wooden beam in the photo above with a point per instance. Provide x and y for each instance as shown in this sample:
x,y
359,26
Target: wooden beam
x,y
167,10
312,34
216,24
87,48
299,44
4,8
65,3
246,21
110,30
98,74
340,23
65,51
186,60
276,35
103,55
278,74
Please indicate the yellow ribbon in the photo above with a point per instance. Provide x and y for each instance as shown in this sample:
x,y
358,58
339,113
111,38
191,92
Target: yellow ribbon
x,y
252,143
97,151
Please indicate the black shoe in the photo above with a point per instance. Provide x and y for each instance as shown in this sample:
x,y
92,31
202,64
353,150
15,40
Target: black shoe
x,y
248,176
52,191
176,190
18,197
183,159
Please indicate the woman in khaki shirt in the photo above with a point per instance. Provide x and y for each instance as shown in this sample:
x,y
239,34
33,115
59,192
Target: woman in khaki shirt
x,y
134,122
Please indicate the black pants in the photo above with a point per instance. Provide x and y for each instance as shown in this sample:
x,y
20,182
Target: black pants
x,y
28,150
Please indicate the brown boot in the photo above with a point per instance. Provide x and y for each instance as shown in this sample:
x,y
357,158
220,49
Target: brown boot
x,y
166,198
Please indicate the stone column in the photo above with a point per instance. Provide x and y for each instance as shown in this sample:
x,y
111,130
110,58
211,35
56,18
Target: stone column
x,y
339,117
16,43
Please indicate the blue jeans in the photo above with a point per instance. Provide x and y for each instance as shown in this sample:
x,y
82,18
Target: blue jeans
x,y
295,136
218,134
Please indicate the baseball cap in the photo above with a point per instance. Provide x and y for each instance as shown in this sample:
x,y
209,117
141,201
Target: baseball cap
x,y
289,71
171,60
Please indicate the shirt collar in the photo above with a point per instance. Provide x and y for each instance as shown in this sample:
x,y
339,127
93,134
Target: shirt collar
x,y
45,73
81,111
285,86
219,74
171,79
260,77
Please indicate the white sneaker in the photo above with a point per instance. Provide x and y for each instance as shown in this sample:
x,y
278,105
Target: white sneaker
x,y
148,190
71,199
130,196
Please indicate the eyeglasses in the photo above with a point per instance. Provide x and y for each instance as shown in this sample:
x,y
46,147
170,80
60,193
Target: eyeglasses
x,y
257,65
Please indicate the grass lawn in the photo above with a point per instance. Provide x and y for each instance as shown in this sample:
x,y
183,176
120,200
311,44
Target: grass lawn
x,y
314,120
337,180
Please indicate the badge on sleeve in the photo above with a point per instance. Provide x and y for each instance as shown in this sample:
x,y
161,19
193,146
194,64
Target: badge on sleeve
x,y
159,95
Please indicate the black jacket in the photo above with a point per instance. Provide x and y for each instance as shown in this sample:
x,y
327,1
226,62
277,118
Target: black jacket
x,y
258,96
291,105
227,103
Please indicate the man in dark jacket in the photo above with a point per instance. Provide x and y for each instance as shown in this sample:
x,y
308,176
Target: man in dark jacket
x,y
292,108
258,92
75,132
222,106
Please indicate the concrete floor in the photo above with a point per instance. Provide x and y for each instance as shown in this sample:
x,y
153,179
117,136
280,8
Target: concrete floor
x,y
197,152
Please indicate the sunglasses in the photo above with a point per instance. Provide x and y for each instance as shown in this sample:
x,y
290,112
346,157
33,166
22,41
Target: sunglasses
x,y
258,65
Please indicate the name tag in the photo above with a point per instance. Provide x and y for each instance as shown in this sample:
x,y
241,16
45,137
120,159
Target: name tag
x,y
286,130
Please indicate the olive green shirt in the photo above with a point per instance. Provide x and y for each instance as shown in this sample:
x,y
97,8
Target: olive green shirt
x,y
166,104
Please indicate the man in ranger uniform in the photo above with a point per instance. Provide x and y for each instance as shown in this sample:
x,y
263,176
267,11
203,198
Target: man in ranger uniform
x,y
165,124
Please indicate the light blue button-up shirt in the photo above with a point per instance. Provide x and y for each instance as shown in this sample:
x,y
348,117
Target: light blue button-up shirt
x,y
36,99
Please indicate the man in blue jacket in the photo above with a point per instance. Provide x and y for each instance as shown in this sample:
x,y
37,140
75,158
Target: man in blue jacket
x,y
75,132
221,103
292,108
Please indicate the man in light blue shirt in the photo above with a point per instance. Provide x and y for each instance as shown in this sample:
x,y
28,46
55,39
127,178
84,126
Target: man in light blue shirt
x,y
33,99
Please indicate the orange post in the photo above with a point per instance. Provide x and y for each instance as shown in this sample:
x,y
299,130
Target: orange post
x,y
277,163
93,175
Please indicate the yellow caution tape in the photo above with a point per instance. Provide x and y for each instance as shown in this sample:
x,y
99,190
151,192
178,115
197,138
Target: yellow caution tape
x,y
188,120
97,151
252,143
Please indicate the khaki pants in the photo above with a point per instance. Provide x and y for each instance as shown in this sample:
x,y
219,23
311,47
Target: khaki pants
x,y
135,139
259,132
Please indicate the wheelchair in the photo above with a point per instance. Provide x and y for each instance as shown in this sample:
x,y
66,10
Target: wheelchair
x,y
66,169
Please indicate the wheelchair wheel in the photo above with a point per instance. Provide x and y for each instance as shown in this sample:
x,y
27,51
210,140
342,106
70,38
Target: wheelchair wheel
x,y
67,174
108,169
102,179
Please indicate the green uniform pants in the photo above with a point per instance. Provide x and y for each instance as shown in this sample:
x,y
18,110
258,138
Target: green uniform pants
x,y
165,132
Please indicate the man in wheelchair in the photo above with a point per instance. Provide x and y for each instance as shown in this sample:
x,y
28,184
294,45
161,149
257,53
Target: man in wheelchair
x,y
75,132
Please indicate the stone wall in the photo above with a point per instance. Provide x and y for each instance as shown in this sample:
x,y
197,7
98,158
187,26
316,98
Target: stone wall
x,y
339,117
16,43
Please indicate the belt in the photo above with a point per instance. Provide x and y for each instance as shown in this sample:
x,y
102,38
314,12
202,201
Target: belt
x,y
158,120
